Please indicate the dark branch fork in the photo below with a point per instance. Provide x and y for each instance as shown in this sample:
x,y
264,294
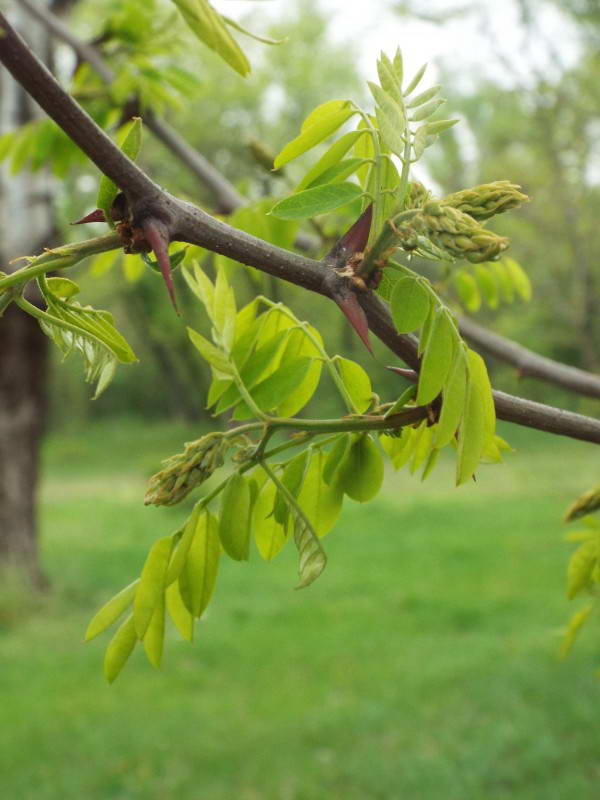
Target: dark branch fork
x,y
187,223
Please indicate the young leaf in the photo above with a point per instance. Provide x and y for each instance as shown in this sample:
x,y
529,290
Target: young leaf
x,y
410,304
437,358
453,402
179,613
361,473
321,502
318,200
155,635
182,548
468,292
428,94
292,478
269,535
472,434
270,393
488,284
330,158
519,277
211,29
200,572
234,525
319,124
581,565
111,611
130,141
335,457
201,286
338,172
415,81
312,559
573,628
62,287
152,584
119,649
215,357
357,383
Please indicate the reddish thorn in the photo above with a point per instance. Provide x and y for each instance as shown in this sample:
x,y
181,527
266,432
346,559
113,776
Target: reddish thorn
x,y
355,315
353,241
158,239
409,374
93,216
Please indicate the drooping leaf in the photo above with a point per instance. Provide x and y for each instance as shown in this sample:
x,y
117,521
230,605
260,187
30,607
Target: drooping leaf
x,y
119,649
338,172
357,383
154,638
472,434
453,402
581,565
519,277
575,624
410,304
320,501
330,159
210,28
179,613
292,478
271,392
215,357
467,289
270,535
111,611
312,558
437,358
180,552
152,584
335,457
361,473
315,201
202,565
488,284
234,523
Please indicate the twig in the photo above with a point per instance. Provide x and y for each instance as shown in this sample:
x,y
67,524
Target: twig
x,y
528,363
187,223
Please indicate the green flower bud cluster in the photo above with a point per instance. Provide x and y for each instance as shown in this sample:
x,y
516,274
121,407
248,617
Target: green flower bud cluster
x,y
482,202
586,504
457,233
184,471
418,195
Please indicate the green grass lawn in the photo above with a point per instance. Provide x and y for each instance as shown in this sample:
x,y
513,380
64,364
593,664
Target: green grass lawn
x,y
422,664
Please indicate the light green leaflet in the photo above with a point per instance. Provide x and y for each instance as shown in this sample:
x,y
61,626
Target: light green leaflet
x,y
111,611
330,158
154,638
201,566
181,616
234,525
211,29
318,200
270,535
357,383
152,584
120,648
361,472
130,141
410,304
437,358
319,124
322,503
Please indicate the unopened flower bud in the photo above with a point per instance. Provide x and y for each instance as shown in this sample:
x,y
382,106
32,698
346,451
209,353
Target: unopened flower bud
x,y
482,202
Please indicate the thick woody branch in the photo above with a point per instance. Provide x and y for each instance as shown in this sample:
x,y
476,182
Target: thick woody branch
x,y
184,222
528,363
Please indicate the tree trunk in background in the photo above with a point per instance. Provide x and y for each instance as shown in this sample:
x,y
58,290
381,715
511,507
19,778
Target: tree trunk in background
x,y
26,224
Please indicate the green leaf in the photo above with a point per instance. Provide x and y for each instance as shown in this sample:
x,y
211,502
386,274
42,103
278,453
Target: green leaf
x,y
224,311
320,123
211,29
234,525
292,477
399,448
428,94
335,457
318,200
357,383
155,635
478,374
519,277
270,393
338,172
201,286
269,535
330,158
390,118
427,110
398,66
180,552
407,395
361,473
453,402
439,126
573,628
437,358
488,284
415,81
130,141
152,584
111,611
119,649
468,292
263,39
410,304
62,287
505,279
422,446
581,565
210,353
320,501
474,428
202,565
312,559
179,613
302,341
364,148
388,78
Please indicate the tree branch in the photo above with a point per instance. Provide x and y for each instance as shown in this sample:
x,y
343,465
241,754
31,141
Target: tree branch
x,y
528,363
187,223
